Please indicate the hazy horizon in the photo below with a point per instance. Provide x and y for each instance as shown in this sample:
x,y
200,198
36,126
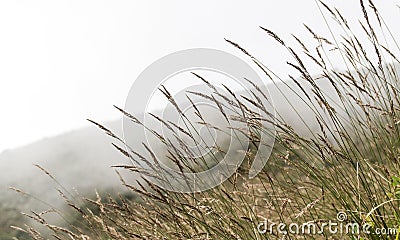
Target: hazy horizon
x,y
64,62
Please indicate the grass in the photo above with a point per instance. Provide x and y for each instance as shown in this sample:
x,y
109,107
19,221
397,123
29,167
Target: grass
x,y
350,165
9,218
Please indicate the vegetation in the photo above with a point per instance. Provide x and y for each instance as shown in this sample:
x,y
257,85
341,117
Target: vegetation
x,y
9,218
350,166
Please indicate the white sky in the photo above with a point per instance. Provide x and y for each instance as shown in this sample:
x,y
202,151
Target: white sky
x,y
64,61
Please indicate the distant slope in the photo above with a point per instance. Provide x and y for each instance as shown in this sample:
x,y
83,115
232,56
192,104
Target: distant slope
x,y
80,160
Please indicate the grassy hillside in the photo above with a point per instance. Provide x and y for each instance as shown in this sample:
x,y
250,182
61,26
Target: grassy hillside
x,y
346,170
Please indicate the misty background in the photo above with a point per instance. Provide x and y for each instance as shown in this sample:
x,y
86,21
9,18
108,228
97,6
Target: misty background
x,y
62,62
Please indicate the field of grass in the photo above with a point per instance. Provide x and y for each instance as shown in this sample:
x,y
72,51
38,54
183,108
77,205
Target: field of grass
x,y
348,169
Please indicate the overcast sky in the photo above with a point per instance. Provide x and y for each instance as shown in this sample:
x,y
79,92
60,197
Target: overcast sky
x,y
64,61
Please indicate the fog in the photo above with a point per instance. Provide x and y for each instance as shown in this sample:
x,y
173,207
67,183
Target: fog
x,y
81,160
64,62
